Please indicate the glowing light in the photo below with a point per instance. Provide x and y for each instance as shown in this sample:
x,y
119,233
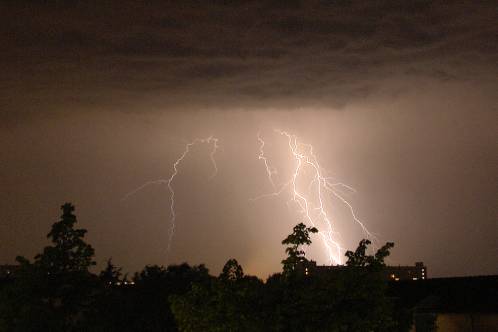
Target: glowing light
x,y
312,201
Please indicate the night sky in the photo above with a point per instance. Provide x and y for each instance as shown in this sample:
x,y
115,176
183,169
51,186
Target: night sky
x,y
398,98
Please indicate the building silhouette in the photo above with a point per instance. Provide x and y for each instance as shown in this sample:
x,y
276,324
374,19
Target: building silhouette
x,y
397,273
392,273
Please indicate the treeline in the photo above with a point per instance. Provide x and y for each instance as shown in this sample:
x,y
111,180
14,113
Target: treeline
x,y
57,292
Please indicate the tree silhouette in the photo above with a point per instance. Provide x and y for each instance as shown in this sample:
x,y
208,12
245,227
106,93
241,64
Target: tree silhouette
x,y
69,252
55,292
300,236
231,302
111,273
365,290
359,258
232,271
340,298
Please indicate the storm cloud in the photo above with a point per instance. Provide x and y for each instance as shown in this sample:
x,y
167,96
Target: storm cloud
x,y
225,55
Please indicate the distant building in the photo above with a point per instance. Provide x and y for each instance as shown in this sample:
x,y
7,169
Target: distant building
x,y
462,304
394,273
397,273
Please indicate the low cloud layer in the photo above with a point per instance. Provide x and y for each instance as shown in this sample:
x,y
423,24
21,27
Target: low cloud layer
x,y
196,54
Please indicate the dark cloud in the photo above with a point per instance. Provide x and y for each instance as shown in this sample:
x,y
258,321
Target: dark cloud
x,y
321,52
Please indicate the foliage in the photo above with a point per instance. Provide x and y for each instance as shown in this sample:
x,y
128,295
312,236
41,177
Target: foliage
x,y
295,255
111,273
57,292
348,298
68,252
230,302
359,258
144,305
341,298
232,271
54,292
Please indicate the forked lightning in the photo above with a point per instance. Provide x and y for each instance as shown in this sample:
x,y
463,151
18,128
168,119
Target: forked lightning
x,y
312,201
169,182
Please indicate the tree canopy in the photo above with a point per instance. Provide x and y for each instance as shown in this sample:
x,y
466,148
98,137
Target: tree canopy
x,y
53,293
295,255
58,292
68,252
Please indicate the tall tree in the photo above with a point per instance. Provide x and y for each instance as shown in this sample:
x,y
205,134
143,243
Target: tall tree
x,y
295,255
364,290
232,271
342,298
68,252
54,293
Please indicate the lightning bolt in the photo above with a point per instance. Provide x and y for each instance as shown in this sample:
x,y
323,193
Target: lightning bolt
x,y
311,202
269,170
208,140
169,182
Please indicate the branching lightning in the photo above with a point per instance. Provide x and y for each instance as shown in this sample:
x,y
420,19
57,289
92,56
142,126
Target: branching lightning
x,y
209,140
310,190
169,182
269,170
311,202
